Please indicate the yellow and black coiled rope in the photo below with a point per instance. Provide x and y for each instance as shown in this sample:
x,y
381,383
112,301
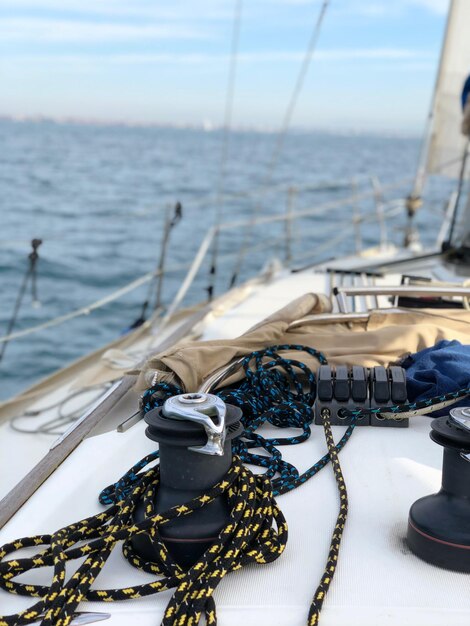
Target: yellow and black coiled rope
x,y
255,533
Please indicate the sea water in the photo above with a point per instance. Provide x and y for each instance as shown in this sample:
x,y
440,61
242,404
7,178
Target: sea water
x,y
97,196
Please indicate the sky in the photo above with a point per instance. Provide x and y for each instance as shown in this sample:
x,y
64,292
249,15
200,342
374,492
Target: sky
x,y
167,61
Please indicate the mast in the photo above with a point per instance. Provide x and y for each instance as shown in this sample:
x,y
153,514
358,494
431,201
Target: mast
x,y
443,144
421,172
414,200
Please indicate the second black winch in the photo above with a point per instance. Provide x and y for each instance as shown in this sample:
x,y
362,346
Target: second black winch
x,y
439,524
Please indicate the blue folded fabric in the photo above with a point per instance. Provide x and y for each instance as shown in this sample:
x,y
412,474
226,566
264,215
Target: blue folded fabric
x,y
434,371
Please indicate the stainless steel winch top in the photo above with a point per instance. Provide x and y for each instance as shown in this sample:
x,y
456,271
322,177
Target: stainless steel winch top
x,y
461,416
201,408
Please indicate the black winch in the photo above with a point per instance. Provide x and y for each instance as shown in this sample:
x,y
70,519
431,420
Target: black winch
x,y
195,433
439,525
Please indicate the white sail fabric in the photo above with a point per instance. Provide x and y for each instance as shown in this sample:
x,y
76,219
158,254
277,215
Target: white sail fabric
x,y
447,142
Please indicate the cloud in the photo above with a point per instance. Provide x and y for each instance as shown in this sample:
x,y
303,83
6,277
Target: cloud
x,y
267,56
374,53
436,6
72,31
211,9
126,20
384,8
174,10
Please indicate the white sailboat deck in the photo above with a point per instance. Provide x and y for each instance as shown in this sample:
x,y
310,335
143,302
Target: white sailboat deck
x,y
378,581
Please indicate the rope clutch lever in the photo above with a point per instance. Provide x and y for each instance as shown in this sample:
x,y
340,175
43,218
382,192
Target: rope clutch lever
x,y
201,408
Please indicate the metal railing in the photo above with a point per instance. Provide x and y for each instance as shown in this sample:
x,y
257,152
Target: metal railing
x,y
386,211
404,291
380,212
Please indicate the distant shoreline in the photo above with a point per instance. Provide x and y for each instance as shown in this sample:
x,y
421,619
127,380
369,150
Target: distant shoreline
x,y
205,127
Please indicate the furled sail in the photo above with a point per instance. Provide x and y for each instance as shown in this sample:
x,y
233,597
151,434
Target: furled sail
x,y
447,143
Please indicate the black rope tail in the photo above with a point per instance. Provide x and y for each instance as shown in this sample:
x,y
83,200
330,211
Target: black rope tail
x,y
30,274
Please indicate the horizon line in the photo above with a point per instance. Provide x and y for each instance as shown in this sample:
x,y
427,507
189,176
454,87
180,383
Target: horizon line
x,y
205,125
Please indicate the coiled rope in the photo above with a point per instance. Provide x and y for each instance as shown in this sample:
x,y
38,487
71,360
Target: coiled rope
x,y
256,532
277,390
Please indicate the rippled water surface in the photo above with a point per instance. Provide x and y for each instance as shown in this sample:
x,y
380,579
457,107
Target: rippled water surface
x,y
97,197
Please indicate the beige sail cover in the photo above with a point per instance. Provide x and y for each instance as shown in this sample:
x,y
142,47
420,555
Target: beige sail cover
x,y
385,337
447,143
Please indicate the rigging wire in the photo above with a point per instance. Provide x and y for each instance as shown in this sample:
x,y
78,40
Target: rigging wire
x,y
135,284
230,94
82,311
115,295
30,275
278,148
156,283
